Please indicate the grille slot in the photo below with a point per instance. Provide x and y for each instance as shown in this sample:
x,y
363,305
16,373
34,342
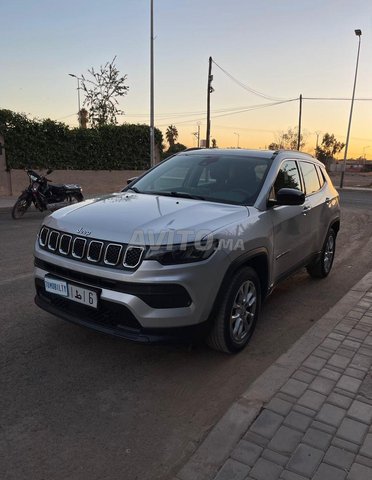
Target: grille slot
x,y
133,256
53,240
94,251
65,244
43,236
112,254
78,247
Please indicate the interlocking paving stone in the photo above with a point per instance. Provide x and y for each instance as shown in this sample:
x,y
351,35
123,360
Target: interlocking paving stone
x,y
361,361
354,372
345,445
294,387
339,400
350,384
323,353
280,406
355,314
305,460
285,440
353,344
327,472
246,452
306,411
266,470
315,363
255,438
366,448
312,400
233,470
287,398
345,393
359,472
297,420
322,385
287,475
360,411
330,343
339,457
345,352
275,457
331,414
324,427
358,334
339,361
331,374
352,431
368,340
336,336
303,376
317,438
365,351
267,423
363,460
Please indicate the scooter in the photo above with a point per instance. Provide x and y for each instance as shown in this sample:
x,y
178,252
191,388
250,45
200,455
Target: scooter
x,y
45,196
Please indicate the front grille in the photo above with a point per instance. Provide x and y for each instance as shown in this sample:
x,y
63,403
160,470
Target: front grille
x,y
94,251
156,295
90,250
112,254
132,256
78,247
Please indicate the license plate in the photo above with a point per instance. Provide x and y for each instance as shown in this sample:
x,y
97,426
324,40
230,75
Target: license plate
x,y
72,292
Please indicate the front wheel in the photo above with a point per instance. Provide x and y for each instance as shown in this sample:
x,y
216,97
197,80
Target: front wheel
x,y
20,208
237,314
322,266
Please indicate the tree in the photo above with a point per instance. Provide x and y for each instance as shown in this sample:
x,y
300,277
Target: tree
x,y
328,149
214,143
171,135
287,140
102,92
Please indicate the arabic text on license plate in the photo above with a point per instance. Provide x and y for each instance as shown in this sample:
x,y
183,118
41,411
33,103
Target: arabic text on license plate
x,y
72,292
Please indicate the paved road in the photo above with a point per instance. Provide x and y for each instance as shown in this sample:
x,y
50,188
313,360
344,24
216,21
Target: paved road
x,y
75,404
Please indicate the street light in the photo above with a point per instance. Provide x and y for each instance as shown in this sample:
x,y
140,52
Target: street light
x,y
358,33
78,90
238,135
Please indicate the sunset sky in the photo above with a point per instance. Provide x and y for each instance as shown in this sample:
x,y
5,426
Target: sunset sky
x,y
280,48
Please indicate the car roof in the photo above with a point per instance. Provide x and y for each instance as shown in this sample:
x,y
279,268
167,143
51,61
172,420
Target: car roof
x,y
244,152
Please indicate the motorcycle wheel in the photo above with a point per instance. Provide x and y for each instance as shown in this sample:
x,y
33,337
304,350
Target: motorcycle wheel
x,y
20,208
78,197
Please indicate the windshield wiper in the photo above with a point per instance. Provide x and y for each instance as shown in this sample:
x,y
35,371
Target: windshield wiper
x,y
134,189
186,195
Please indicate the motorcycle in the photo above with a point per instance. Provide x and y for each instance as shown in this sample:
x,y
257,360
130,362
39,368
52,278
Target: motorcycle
x,y
45,196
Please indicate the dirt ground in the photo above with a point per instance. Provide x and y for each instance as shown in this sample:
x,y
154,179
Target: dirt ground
x,y
353,179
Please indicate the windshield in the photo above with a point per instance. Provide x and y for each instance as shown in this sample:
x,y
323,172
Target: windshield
x,y
224,178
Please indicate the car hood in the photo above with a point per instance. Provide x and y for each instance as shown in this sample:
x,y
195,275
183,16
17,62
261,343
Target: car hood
x,y
145,219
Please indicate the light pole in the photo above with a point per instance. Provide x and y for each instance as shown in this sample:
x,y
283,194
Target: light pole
x,y
238,135
317,133
78,90
358,33
152,127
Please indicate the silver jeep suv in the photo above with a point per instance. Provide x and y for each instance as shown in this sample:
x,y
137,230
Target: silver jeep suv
x,y
191,248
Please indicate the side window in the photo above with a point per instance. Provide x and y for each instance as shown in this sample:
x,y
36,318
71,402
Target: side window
x,y
320,175
310,177
288,177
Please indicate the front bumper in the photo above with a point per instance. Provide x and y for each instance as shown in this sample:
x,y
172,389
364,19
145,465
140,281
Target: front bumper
x,y
114,319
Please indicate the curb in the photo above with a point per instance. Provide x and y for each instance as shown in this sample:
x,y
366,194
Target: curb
x,y
215,449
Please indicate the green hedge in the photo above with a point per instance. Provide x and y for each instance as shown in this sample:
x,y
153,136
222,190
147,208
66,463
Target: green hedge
x,y
49,144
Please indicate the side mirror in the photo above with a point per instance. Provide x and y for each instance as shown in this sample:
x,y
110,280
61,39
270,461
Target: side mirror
x,y
290,196
130,180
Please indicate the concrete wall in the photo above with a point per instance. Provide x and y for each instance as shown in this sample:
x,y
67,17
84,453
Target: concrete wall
x,y
92,181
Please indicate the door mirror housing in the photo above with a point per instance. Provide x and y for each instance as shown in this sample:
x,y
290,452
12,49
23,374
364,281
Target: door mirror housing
x,y
289,196
130,180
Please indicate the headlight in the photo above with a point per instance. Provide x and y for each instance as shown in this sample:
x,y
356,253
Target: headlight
x,y
33,178
184,253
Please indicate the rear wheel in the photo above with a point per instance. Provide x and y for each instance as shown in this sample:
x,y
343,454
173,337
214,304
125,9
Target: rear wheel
x,y
237,313
323,265
20,208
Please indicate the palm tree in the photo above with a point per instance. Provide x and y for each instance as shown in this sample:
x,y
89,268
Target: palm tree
x,y
171,135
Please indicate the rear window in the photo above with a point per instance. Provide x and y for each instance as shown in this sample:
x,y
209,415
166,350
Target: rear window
x,y
311,179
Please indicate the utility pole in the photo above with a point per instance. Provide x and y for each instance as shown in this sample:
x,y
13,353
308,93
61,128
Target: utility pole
x,y
209,91
198,134
299,124
152,129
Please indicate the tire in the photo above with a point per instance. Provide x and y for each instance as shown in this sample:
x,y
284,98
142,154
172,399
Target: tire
x,y
231,332
20,208
76,198
323,265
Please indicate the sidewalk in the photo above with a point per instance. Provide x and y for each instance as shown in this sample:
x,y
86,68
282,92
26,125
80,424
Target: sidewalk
x,y
309,415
